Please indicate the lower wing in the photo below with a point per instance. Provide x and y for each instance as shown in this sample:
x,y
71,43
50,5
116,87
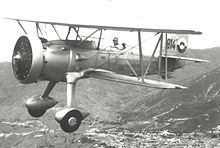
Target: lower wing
x,y
186,58
111,76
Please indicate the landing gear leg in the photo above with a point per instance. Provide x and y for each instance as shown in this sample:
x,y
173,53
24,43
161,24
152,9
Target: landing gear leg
x,y
72,78
70,118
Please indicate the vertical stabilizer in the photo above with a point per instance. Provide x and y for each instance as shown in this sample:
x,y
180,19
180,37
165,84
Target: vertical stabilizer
x,y
176,45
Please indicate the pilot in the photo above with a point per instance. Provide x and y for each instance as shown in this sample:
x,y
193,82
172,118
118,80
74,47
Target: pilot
x,y
123,46
115,41
116,44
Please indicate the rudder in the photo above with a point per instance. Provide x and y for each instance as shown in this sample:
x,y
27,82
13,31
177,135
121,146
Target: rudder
x,y
176,45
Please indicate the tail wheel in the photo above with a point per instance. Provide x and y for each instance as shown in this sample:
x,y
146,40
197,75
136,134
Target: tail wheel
x,y
71,121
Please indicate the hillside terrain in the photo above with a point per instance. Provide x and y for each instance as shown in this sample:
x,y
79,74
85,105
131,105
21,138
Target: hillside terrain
x,y
119,113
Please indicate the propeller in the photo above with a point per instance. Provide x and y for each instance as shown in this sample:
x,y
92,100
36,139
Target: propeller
x,y
22,58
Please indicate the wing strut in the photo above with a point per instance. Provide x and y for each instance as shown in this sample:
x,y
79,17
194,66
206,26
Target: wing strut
x,y
152,56
140,54
166,56
22,27
39,29
132,69
160,54
77,33
99,42
68,33
56,31
87,37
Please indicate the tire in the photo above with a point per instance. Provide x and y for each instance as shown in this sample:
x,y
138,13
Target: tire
x,y
64,122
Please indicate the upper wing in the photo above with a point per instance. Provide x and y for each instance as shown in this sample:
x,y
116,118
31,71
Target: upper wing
x,y
114,27
111,76
186,58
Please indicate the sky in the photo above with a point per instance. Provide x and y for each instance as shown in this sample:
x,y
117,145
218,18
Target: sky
x,y
199,15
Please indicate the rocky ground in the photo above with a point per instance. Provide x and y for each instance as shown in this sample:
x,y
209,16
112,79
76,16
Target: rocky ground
x,y
38,134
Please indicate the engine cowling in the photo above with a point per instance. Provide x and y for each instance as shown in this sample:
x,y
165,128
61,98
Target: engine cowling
x,y
31,62
27,59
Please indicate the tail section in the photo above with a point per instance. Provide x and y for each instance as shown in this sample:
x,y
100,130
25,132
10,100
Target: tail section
x,y
176,45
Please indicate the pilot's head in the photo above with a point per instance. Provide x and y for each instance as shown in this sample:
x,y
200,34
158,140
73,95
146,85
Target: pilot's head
x,y
115,41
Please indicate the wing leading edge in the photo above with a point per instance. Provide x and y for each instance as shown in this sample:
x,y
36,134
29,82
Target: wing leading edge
x,y
111,76
114,27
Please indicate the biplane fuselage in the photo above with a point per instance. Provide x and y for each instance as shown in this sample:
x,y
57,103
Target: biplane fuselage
x,y
88,56
119,64
35,59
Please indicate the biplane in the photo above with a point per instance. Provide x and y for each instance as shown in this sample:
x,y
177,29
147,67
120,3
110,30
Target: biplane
x,y
69,60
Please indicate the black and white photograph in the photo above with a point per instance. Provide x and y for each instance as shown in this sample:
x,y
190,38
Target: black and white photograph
x,y
109,74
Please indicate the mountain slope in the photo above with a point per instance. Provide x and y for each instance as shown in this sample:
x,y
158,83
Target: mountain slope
x,y
184,110
198,107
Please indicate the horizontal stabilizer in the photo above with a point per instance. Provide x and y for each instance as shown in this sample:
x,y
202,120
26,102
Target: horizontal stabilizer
x,y
111,76
186,58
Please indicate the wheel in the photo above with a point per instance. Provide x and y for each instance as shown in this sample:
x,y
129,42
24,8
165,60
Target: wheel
x,y
71,121
36,113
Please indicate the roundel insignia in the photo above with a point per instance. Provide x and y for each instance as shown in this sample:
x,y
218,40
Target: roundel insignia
x,y
181,45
